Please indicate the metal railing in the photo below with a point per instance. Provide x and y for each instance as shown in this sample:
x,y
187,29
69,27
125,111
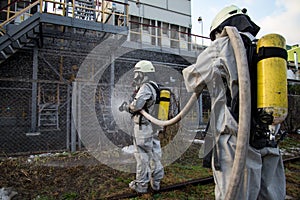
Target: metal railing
x,y
159,36
102,11
93,10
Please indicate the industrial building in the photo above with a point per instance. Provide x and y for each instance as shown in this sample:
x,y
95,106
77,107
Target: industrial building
x,y
51,49
44,43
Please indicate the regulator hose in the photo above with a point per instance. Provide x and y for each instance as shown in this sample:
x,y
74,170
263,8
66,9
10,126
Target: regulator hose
x,y
244,111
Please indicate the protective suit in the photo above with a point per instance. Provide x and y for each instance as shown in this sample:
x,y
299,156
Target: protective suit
x,y
146,142
216,68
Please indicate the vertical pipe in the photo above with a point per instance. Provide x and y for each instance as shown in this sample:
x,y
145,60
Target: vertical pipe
x,y
61,65
156,33
113,15
34,89
94,10
126,13
41,6
297,73
102,11
73,114
8,10
58,103
78,114
73,10
68,117
296,60
200,109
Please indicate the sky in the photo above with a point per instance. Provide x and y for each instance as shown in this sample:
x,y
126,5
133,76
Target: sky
x,y
273,16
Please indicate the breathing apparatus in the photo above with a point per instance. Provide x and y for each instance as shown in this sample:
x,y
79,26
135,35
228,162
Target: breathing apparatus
x,y
271,77
272,101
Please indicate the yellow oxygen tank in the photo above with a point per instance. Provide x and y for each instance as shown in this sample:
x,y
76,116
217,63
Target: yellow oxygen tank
x,y
272,77
164,103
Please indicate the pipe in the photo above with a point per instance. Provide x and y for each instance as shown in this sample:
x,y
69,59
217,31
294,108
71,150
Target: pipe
x,y
296,60
244,111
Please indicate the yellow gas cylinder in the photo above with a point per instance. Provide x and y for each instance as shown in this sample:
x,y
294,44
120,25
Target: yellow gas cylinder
x,y
272,77
164,103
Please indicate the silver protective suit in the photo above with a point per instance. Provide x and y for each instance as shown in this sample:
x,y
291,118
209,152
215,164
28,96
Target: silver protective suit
x,y
263,176
146,142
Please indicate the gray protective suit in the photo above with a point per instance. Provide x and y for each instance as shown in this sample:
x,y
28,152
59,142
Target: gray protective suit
x,y
263,176
147,145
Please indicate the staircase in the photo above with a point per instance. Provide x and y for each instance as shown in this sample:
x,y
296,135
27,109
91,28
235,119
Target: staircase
x,y
20,29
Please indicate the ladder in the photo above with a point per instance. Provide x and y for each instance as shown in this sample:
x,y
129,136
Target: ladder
x,y
48,116
48,108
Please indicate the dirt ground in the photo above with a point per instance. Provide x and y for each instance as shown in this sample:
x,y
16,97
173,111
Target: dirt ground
x,y
80,176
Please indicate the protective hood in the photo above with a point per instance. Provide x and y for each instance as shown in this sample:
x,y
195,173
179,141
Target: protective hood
x,y
242,22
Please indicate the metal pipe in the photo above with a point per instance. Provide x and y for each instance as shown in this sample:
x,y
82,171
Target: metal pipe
x,y
296,60
34,89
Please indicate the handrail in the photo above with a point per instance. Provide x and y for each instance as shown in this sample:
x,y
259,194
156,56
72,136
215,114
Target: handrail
x,y
101,12
153,26
8,5
118,2
102,7
176,40
18,14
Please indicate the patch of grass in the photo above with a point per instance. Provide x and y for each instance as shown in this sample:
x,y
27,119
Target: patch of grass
x,y
43,198
80,176
69,196
293,179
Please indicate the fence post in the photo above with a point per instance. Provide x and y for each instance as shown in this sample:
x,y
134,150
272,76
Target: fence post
x,y
73,112
68,125
34,90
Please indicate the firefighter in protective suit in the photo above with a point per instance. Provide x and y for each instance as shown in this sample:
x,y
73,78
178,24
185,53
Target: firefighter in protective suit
x,y
216,68
146,142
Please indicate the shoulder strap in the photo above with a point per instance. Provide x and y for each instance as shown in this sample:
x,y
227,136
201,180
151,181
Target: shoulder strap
x,y
156,90
250,47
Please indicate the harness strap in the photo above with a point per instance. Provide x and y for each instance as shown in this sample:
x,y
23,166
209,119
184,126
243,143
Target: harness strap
x,y
269,52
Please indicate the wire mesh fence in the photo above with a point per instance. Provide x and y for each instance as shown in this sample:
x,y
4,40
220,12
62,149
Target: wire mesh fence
x,y
33,123
37,101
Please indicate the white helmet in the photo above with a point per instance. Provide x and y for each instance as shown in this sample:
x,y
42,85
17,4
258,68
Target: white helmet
x,y
225,14
144,66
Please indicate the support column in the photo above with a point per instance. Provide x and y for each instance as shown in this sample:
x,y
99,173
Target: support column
x,y
74,112
68,125
125,13
200,109
34,90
